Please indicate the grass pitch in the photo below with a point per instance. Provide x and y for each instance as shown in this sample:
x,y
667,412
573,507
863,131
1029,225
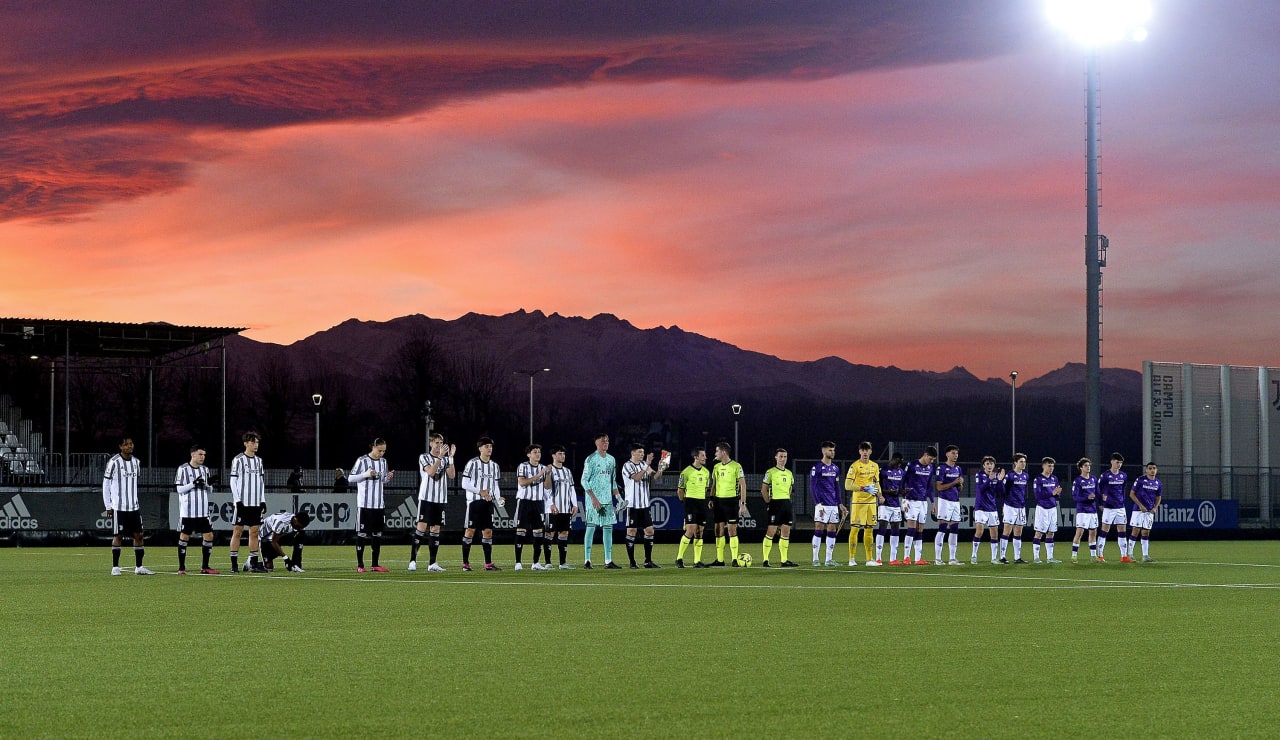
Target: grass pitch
x,y
1186,646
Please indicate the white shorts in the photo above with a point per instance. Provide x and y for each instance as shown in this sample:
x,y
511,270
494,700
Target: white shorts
x,y
1141,519
948,511
1015,515
918,511
1113,516
1046,519
986,518
1087,521
889,513
823,514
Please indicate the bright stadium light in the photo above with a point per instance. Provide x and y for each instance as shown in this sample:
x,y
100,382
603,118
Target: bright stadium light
x,y
1094,22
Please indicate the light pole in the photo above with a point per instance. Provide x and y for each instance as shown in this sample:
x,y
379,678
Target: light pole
x,y
531,373
427,421
737,409
1013,414
1095,22
316,398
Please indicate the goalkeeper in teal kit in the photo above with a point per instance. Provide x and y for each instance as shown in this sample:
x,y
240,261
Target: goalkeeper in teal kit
x,y
600,486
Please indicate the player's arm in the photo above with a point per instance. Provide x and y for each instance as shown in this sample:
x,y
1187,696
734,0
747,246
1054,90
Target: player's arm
x,y
742,490
680,488
272,544
848,479
109,489
765,492
237,480
525,480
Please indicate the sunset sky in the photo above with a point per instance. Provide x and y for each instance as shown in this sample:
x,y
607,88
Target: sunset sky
x,y
894,183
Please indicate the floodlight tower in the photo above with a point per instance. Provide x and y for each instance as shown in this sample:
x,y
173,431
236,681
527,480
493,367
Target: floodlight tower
x,y
1093,23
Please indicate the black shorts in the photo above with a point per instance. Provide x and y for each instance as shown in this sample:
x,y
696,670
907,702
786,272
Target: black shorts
x,y
127,522
431,512
248,516
371,522
695,511
726,510
560,522
479,515
196,525
780,512
639,518
529,515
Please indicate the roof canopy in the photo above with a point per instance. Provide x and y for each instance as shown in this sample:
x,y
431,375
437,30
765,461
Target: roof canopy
x,y
104,339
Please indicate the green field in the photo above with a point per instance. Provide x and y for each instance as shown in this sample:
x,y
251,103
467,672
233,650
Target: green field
x,y
1185,646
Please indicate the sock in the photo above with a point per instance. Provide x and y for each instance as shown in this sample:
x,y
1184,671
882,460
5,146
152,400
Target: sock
x,y
1075,548
606,534
937,541
648,548
1102,542
1035,547
976,542
697,549
953,539
995,550
684,545
375,549
360,555
466,550
880,543
733,547
520,535
1145,546
1093,549
417,544
920,547
784,544
1048,546
907,544
206,549
631,548
536,539
768,547
564,549
831,545
138,552
297,554
853,542
817,543
1004,545
182,554
586,543
1017,548
433,547
550,538
486,544
720,542
869,546
235,560
893,545
115,557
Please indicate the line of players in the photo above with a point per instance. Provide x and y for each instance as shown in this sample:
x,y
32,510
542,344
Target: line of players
x,y
546,503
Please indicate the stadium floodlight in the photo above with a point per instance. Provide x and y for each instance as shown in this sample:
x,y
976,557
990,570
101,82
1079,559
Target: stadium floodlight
x,y
1013,414
531,374
316,400
1093,23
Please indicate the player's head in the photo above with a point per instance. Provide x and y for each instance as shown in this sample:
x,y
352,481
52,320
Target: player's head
x,y
301,519
1047,464
602,441
533,451
637,451
828,449
377,447
197,454
126,445
1084,465
1116,461
250,437
485,446
339,473
896,460
1151,470
724,452
988,463
864,450
952,452
780,457
557,453
1019,457
699,455
435,441
930,454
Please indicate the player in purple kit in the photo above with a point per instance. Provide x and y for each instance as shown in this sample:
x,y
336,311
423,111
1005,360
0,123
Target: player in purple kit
x,y
1046,490
946,508
889,511
829,510
1085,492
988,485
1146,494
1015,509
917,486
1111,489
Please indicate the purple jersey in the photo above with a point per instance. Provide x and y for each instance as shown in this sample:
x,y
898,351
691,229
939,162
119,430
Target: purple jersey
x,y
1015,489
1112,486
1042,488
892,485
822,484
947,474
1148,490
1085,492
988,490
917,482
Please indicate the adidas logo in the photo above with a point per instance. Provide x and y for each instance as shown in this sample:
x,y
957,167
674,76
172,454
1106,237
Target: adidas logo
x,y
16,515
405,516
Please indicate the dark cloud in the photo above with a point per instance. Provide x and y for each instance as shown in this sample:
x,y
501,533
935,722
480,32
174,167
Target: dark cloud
x,y
102,102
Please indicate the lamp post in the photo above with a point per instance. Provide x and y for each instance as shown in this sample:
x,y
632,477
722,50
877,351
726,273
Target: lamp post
x,y
737,409
427,421
1095,22
1013,414
316,398
531,373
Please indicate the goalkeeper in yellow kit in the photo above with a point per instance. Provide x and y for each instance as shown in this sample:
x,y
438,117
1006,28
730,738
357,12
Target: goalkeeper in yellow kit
x,y
863,481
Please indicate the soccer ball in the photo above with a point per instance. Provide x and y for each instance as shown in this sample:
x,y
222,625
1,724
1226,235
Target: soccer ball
x,y
744,559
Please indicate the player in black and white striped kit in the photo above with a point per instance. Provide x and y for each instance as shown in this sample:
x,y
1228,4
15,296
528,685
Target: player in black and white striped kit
x,y
369,475
248,492
480,480
120,499
562,506
193,486
279,527
534,481
436,469
636,476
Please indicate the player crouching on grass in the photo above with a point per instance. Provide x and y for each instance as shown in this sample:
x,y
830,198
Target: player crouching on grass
x,y
1085,492
279,527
